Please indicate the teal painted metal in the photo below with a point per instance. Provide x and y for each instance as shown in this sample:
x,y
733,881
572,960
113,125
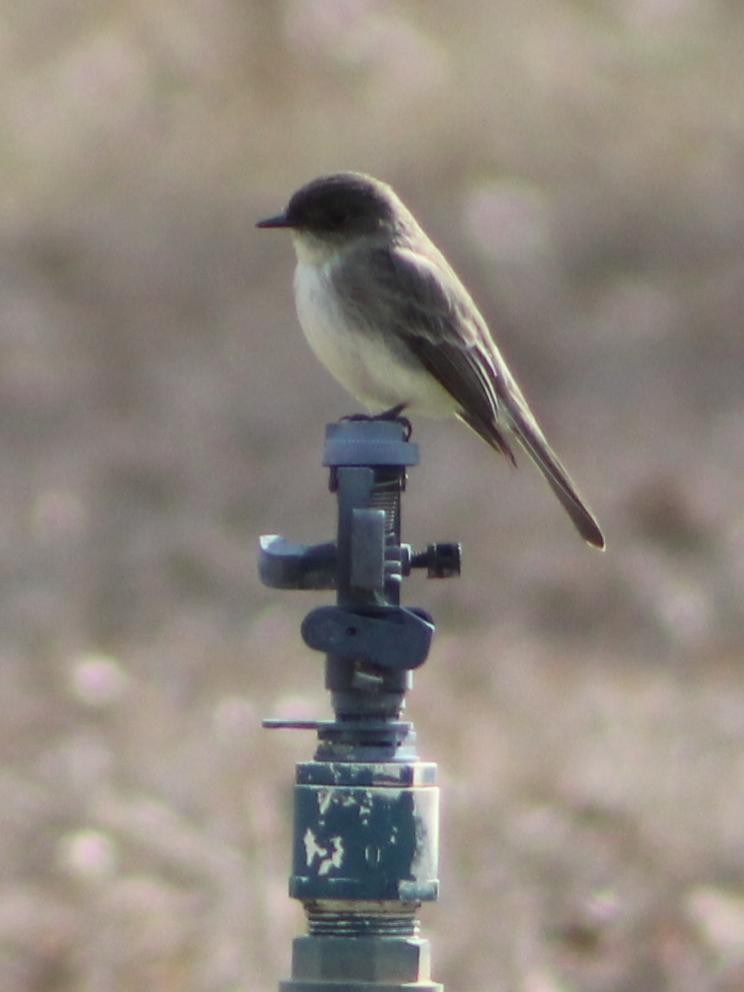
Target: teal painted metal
x,y
368,834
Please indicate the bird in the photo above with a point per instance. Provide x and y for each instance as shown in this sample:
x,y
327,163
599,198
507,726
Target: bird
x,y
387,315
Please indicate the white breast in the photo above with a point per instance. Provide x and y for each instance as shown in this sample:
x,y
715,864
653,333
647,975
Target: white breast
x,y
359,359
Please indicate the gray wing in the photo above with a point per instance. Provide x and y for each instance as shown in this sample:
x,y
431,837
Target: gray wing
x,y
435,322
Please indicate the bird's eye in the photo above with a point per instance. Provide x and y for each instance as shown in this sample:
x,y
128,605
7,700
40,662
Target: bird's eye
x,y
338,217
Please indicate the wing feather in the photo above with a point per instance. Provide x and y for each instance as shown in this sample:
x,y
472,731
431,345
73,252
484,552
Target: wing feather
x,y
432,321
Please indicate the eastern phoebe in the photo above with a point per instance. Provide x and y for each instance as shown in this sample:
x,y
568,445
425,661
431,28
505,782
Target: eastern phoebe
x,y
387,316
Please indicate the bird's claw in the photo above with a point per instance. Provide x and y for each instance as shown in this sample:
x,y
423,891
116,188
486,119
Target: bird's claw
x,y
393,414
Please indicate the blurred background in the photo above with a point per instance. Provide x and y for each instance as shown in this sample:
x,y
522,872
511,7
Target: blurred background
x,y
581,163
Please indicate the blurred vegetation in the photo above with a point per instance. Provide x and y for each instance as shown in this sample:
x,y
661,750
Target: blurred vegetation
x,y
581,164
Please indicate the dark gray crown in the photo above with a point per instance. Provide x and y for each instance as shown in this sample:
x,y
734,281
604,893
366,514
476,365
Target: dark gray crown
x,y
342,203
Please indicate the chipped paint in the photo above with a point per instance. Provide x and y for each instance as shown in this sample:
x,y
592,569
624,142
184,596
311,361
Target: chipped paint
x,y
325,798
327,856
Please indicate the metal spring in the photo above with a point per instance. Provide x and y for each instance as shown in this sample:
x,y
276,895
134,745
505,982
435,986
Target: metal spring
x,y
386,496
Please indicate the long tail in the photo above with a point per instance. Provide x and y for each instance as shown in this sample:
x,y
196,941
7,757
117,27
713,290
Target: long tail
x,y
534,443
532,439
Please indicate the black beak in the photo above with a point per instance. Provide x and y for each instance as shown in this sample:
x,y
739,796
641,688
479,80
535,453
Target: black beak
x,y
279,221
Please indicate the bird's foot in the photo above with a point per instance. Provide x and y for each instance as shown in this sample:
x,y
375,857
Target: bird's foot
x,y
393,414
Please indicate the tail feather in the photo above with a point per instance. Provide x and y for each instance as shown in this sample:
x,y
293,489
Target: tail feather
x,y
525,429
534,443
